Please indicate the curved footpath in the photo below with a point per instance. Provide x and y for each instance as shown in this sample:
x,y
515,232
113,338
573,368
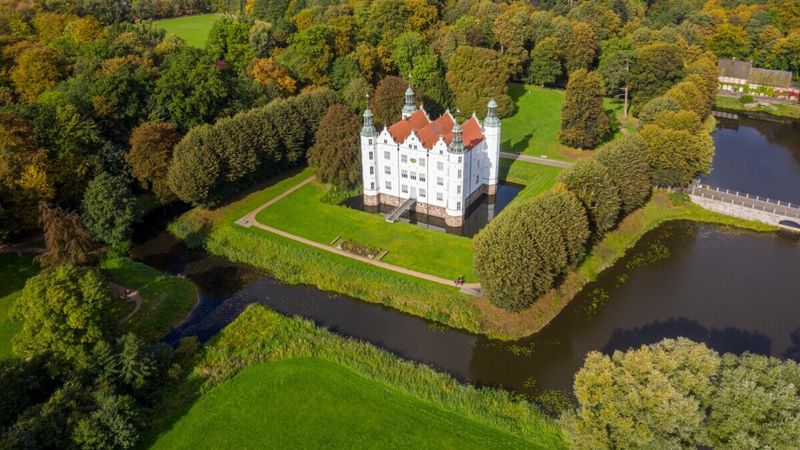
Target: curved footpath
x,y
249,220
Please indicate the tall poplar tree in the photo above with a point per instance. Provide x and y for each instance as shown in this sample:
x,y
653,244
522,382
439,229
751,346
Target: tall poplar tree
x,y
583,121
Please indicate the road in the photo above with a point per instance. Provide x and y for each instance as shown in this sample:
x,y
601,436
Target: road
x,y
535,160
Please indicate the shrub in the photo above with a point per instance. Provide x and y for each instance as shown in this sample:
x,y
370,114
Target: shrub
x,y
745,99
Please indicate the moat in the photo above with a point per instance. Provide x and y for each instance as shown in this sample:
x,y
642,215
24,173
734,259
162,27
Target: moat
x,y
734,290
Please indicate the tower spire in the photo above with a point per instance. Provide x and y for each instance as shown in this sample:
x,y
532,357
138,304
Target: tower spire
x,y
457,143
368,130
491,115
410,106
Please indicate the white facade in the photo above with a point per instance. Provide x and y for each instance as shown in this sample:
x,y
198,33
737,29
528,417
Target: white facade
x,y
441,164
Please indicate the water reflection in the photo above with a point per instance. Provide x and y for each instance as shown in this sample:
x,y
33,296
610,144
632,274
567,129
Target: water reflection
x,y
759,157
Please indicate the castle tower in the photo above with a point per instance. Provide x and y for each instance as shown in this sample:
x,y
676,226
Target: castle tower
x,y
410,106
369,170
491,131
455,185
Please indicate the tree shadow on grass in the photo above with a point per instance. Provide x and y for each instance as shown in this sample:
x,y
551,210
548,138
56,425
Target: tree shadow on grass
x,y
726,340
517,147
793,352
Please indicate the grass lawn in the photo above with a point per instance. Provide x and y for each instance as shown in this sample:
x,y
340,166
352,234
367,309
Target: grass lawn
x,y
313,403
14,271
533,129
781,109
193,29
166,300
537,178
411,246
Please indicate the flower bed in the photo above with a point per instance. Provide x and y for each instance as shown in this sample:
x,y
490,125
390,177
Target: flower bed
x,y
358,248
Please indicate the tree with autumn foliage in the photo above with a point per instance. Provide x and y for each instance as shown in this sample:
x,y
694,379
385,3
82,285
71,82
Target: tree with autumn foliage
x,y
335,152
387,103
150,156
271,74
66,241
476,75
37,69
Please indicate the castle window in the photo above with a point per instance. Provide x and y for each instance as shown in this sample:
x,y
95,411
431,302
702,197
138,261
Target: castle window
x,y
458,205
476,179
440,181
371,170
459,159
387,170
458,189
369,141
404,173
384,141
422,192
422,162
370,156
459,174
439,196
388,185
422,177
404,188
387,155
372,185
403,158
439,165
413,175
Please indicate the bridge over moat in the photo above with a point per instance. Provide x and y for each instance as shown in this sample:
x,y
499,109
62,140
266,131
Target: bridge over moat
x,y
745,206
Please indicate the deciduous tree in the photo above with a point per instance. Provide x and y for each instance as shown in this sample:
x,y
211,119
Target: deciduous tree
x,y
336,150
583,121
476,75
627,158
387,103
545,62
109,209
66,240
150,156
591,183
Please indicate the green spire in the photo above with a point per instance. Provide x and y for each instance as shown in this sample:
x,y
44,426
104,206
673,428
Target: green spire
x,y
410,106
368,130
457,143
491,116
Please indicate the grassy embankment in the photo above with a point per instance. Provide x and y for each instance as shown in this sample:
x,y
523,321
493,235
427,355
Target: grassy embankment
x,y
791,111
533,129
662,207
283,383
166,300
193,29
14,272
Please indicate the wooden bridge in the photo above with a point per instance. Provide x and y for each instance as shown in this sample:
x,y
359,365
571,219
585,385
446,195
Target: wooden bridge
x,y
745,206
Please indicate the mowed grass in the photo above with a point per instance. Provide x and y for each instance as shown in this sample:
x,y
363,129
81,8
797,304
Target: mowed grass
x,y
780,109
537,178
166,300
313,403
193,29
410,246
533,129
14,272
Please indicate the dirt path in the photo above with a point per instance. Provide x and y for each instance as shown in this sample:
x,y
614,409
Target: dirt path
x,y
119,292
535,160
250,221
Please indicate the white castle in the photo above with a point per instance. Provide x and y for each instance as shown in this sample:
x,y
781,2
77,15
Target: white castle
x,y
436,167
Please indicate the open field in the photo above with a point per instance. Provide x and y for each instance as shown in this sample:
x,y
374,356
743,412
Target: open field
x,y
277,382
14,271
781,109
312,403
533,129
193,29
429,251
166,300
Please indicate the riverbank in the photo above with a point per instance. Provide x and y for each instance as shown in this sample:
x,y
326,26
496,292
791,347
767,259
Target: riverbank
x,y
791,111
261,342
662,207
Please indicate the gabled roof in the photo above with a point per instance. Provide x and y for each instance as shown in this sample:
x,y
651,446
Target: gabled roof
x,y
734,69
767,77
430,132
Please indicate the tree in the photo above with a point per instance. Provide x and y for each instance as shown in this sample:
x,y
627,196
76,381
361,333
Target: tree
x,y
112,424
677,148
729,41
65,239
355,94
336,151
475,75
519,255
195,169
343,70
386,20
310,55
191,89
109,209
150,156
563,209
126,85
64,311
691,98
580,48
628,155
271,74
387,103
513,30
545,62
591,183
651,397
583,121
37,69
616,60
656,105
657,67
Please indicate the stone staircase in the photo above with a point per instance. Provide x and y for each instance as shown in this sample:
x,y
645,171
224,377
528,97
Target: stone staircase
x,y
397,212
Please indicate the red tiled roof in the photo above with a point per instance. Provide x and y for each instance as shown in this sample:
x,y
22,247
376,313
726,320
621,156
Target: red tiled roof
x,y
429,132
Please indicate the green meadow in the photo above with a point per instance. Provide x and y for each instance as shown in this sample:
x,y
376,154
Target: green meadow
x,y
14,272
193,29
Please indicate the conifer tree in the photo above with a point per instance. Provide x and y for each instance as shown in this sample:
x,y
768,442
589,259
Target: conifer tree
x,y
335,153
